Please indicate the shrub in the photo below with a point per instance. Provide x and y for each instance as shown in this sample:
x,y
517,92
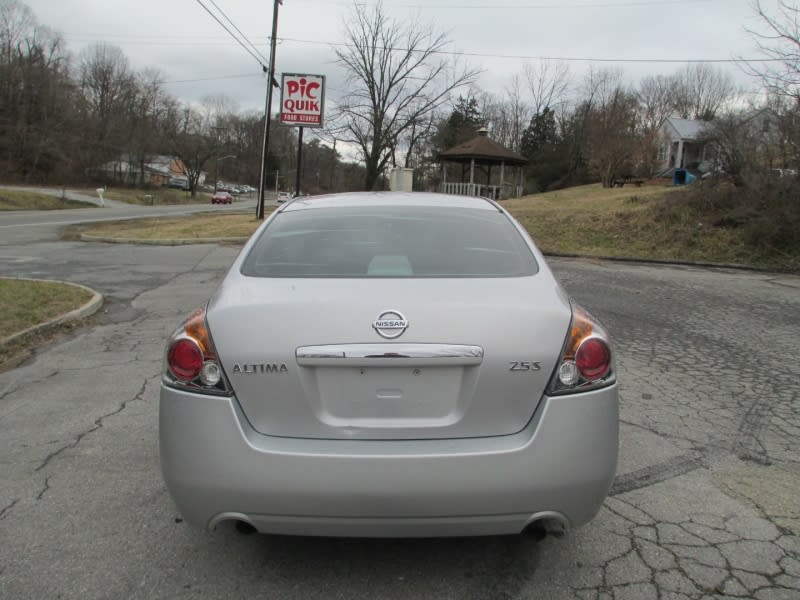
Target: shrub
x,y
765,210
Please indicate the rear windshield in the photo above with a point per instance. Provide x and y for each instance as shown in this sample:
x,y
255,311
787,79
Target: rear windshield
x,y
390,242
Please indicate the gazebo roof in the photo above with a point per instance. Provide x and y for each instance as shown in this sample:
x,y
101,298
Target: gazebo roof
x,y
483,148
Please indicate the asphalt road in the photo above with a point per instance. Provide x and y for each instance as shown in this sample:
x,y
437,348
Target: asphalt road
x,y
705,504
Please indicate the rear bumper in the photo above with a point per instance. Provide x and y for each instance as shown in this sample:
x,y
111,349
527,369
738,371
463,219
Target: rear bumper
x,y
559,467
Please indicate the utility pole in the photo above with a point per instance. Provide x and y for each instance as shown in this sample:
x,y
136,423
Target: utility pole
x,y
267,118
217,131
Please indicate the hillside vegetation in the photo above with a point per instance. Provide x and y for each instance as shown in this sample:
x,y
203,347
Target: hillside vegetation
x,y
707,222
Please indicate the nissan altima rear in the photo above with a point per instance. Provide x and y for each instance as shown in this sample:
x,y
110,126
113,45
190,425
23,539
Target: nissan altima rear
x,y
384,364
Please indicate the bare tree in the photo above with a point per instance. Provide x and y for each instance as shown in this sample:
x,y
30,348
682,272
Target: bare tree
x,y
191,141
656,102
397,76
17,22
779,42
656,96
145,119
507,116
739,144
548,82
109,89
416,135
36,100
611,138
701,91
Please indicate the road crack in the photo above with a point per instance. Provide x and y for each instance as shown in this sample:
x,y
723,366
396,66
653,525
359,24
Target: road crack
x,y
46,487
98,424
5,510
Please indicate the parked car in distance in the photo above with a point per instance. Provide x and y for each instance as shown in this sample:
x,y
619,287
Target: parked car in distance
x,y
284,197
389,365
221,197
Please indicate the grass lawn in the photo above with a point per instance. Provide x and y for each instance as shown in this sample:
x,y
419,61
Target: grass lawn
x,y
183,228
27,303
153,197
20,200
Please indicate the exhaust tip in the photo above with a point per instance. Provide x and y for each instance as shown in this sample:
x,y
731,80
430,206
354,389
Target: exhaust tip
x,y
245,528
535,531
541,525
236,520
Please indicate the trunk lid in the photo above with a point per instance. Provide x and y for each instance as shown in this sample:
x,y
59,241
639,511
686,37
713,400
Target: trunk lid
x,y
305,357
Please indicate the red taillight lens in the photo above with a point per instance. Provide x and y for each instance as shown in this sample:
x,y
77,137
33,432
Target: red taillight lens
x,y
586,362
185,359
593,359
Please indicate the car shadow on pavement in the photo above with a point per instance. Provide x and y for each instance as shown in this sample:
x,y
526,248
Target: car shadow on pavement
x,y
468,567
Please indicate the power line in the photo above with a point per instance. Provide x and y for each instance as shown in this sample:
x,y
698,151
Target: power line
x,y
220,77
553,58
238,41
244,37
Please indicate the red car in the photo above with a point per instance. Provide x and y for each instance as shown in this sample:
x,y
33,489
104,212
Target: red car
x,y
221,198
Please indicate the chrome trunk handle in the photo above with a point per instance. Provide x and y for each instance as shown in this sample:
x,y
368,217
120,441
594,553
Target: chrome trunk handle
x,y
389,354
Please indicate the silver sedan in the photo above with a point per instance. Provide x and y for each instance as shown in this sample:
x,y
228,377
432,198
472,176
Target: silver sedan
x,y
389,364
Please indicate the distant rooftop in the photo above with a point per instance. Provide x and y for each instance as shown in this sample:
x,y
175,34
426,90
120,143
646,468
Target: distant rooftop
x,y
688,129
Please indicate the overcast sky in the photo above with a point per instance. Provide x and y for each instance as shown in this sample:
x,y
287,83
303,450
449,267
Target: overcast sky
x,y
198,58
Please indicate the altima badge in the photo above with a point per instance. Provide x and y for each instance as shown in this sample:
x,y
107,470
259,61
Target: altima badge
x,y
390,324
259,368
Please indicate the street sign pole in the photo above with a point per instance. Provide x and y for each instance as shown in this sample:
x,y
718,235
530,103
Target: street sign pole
x,y
299,160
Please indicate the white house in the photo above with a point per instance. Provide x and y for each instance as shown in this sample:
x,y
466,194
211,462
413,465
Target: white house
x,y
682,144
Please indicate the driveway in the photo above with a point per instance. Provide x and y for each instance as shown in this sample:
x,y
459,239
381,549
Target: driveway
x,y
704,505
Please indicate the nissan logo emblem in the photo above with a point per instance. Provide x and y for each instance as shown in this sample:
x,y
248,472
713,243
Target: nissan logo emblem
x,y
390,324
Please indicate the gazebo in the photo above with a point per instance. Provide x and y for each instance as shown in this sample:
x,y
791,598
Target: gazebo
x,y
480,154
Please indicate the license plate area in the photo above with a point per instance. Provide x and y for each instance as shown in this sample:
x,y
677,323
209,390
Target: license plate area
x,y
390,397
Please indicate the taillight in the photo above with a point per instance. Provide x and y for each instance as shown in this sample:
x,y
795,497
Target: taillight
x,y
185,359
593,359
586,361
191,360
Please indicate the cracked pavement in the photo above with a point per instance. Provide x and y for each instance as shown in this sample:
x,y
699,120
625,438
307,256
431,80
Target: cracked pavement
x,y
704,505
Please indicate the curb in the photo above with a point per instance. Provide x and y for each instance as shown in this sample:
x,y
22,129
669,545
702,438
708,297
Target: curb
x,y
175,242
88,309
671,263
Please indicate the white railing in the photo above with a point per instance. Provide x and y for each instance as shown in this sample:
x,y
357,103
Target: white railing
x,y
495,192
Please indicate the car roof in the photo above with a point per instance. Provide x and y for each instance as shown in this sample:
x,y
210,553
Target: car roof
x,y
368,199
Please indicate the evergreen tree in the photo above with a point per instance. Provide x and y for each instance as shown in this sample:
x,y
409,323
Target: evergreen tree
x,y
462,124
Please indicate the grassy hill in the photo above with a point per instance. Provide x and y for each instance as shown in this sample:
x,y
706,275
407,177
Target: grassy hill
x,y
654,222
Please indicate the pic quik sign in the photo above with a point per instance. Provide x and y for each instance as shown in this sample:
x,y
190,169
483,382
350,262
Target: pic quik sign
x,y
302,100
